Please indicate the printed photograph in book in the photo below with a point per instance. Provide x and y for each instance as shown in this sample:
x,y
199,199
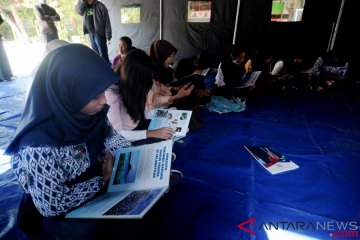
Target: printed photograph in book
x,y
178,120
134,203
127,167
140,177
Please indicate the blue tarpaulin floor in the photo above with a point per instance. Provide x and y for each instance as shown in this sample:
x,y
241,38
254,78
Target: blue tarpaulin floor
x,y
225,191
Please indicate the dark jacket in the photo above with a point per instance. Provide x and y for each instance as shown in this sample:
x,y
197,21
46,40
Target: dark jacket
x,y
233,73
44,13
101,18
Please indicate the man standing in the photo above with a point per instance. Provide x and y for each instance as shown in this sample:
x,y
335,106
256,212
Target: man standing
x,y
96,24
47,16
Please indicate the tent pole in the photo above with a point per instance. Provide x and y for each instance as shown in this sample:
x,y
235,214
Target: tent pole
x,y
236,21
331,36
337,25
160,37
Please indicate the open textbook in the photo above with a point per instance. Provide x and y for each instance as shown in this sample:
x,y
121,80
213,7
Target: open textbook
x,y
178,120
249,79
140,177
270,159
191,78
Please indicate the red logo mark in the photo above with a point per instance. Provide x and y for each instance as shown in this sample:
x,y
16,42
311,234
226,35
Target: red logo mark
x,y
241,225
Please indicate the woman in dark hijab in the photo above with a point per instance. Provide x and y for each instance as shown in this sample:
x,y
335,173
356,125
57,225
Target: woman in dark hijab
x,y
62,152
162,53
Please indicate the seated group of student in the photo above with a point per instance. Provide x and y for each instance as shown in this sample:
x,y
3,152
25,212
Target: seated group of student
x,y
295,72
276,75
74,121
142,88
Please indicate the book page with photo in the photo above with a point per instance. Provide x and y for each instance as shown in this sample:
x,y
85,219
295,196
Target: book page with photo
x,y
178,120
140,177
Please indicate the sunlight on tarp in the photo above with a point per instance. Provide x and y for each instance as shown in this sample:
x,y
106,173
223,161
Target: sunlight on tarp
x,y
23,57
4,162
274,234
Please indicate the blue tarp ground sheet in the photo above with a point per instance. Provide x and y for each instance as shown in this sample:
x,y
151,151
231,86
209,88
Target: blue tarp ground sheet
x,y
223,186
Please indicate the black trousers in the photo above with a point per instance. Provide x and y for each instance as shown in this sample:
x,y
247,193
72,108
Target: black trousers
x,y
35,226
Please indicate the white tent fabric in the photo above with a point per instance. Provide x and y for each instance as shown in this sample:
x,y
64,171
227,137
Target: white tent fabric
x,y
143,33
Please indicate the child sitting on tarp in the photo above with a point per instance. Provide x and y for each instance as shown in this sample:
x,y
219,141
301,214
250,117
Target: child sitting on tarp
x,y
266,61
125,45
63,150
202,88
127,99
327,70
162,53
232,70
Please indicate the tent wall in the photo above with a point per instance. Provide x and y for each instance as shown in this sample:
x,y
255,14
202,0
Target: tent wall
x,y
318,20
253,23
143,33
347,40
254,27
192,38
308,36
189,38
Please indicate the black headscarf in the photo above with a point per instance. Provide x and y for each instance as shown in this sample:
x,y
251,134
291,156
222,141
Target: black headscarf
x,y
66,81
160,50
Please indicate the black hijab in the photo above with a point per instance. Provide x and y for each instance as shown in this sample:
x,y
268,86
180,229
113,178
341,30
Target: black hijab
x,y
66,81
160,50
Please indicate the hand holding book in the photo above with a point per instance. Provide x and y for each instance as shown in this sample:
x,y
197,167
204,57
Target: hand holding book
x,y
184,90
162,133
176,120
107,164
191,78
140,176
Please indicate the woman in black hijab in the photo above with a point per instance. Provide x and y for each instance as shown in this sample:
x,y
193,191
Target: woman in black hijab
x,y
162,53
62,152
